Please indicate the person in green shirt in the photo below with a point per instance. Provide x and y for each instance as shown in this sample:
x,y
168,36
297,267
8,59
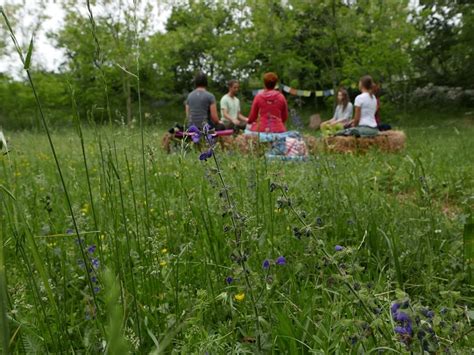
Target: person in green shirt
x,y
230,108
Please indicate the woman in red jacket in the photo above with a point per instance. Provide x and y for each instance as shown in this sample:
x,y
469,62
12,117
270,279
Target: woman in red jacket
x,y
269,108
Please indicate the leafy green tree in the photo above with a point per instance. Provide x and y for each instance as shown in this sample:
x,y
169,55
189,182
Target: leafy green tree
x,y
444,54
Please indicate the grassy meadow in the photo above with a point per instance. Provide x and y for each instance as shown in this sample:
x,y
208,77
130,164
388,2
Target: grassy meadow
x,y
170,254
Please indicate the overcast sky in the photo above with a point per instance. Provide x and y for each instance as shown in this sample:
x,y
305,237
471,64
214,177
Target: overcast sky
x,y
45,54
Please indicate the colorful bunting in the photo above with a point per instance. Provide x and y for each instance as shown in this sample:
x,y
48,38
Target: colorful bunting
x,y
304,93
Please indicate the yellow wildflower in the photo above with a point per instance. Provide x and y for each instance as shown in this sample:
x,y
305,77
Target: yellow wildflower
x,y
163,263
239,297
164,251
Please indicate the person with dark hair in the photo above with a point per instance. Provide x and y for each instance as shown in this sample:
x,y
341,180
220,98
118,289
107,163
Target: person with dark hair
x,y
230,107
269,108
342,114
201,105
363,123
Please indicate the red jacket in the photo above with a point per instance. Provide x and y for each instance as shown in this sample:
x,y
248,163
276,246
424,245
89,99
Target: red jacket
x,y
271,107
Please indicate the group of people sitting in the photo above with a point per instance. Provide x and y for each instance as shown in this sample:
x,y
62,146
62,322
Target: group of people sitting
x,y
269,110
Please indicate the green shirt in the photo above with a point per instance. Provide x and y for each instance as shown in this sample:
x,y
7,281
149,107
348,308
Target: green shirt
x,y
232,105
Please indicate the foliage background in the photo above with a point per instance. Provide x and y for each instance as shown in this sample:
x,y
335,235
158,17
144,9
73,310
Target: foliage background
x,y
311,45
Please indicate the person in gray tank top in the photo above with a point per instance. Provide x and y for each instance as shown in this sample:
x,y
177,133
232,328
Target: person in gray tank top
x,y
201,105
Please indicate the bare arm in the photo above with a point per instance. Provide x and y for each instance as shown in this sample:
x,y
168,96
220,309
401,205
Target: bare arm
x,y
243,118
214,117
356,119
227,116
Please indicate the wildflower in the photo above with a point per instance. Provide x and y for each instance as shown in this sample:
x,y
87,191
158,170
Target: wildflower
x,y
91,249
85,209
339,248
401,317
404,322
394,308
266,264
280,260
94,279
229,280
427,313
95,263
163,263
196,133
205,155
403,330
96,289
239,297
319,222
164,251
69,231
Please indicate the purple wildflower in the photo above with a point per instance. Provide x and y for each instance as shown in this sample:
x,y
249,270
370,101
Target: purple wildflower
x,y
69,231
394,308
339,248
94,279
427,313
196,133
266,264
401,317
206,155
229,280
95,263
91,249
96,289
280,260
402,330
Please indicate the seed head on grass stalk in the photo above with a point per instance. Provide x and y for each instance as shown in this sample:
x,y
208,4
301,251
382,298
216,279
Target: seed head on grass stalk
x,y
332,261
237,226
26,65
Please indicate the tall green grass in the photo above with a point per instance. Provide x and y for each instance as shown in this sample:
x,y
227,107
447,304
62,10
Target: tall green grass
x,y
106,237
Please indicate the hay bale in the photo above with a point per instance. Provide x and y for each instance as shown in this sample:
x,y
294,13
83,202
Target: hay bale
x,y
313,145
340,144
166,142
391,141
388,141
249,144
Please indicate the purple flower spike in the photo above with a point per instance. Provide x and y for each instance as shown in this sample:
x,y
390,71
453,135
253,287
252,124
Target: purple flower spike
x,y
95,263
281,260
206,155
401,317
339,248
266,264
401,330
196,136
69,231
229,280
394,308
91,249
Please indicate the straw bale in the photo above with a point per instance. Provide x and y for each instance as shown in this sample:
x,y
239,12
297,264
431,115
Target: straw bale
x,y
313,145
166,142
388,141
249,144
